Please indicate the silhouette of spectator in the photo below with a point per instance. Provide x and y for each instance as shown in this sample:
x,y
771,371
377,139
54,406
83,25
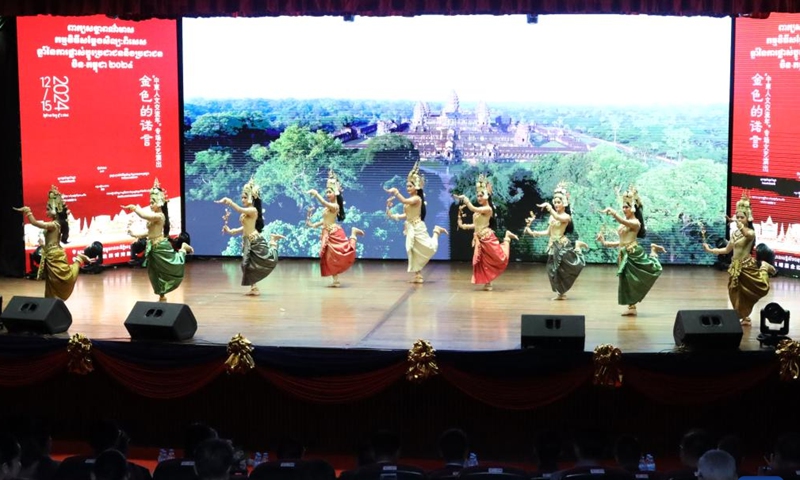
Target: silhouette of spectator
x,y
454,450
716,465
9,456
547,449
183,468
213,459
693,445
785,458
627,453
110,465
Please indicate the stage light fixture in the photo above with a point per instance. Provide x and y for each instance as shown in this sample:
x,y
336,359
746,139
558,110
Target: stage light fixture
x,y
774,325
95,253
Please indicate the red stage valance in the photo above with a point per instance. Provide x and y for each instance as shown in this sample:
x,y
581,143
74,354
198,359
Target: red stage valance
x,y
257,8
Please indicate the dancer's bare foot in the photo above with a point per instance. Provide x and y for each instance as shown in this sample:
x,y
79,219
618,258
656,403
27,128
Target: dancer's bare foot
x,y
560,296
655,249
187,249
768,268
162,298
488,287
630,312
254,292
438,230
510,236
418,278
356,232
746,322
335,283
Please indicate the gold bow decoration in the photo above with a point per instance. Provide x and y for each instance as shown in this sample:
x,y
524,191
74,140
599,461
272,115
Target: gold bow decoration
x,y
606,361
422,362
239,359
79,350
788,353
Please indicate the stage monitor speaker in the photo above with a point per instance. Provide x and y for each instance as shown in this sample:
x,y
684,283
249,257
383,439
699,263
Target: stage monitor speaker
x,y
708,329
161,321
36,315
566,332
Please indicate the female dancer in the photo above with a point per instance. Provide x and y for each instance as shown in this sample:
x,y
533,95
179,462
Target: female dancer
x,y
59,275
258,258
337,252
419,245
490,257
637,271
165,265
749,282
564,263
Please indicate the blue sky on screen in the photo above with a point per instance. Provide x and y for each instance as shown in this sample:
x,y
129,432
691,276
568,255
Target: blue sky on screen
x,y
563,59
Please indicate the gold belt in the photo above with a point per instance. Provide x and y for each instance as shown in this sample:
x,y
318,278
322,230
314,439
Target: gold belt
x,y
630,247
332,227
253,236
414,221
484,232
155,241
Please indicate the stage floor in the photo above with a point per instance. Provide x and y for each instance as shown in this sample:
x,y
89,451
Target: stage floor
x,y
376,307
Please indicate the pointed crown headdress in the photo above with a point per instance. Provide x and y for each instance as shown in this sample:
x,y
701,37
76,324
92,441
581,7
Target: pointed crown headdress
x,y
562,193
157,194
743,206
483,185
55,200
251,190
630,197
415,178
333,183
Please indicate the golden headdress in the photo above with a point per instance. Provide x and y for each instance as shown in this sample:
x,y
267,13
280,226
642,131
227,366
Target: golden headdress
x,y
158,195
415,178
631,198
55,200
483,185
562,193
743,206
333,183
251,190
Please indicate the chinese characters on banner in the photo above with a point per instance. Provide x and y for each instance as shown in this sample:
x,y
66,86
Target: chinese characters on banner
x,y
765,158
99,112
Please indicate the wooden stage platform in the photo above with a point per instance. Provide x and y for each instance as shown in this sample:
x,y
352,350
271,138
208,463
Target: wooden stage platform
x,y
377,309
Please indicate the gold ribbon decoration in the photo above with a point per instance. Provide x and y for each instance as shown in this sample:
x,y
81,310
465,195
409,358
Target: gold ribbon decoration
x,y
422,362
788,353
606,361
79,350
239,359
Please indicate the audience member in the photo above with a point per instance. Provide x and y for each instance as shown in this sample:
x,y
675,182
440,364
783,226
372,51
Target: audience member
x,y
110,465
213,459
589,446
733,445
785,459
183,468
716,465
627,453
9,456
547,449
35,442
693,445
454,450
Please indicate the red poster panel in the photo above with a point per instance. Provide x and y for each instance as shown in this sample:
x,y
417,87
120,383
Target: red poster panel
x,y
100,121
765,129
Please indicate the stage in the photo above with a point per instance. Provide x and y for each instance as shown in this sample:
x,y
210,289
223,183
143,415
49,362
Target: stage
x,y
376,307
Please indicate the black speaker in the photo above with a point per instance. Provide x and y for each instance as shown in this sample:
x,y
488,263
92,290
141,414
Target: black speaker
x,y
161,321
566,332
709,329
36,315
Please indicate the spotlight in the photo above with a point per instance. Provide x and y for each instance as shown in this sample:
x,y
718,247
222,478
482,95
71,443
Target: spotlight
x,y
94,252
774,325
532,18
137,252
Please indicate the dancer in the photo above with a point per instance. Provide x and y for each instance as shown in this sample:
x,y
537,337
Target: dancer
x,y
749,281
59,275
636,270
337,253
490,257
419,245
564,263
165,265
258,258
